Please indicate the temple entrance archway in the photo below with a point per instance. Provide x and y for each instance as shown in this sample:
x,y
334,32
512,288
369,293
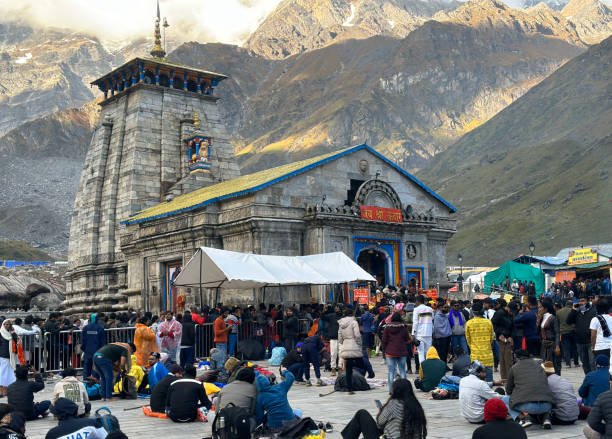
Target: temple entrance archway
x,y
375,262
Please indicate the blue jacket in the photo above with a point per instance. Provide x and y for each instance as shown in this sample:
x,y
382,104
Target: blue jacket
x,y
528,320
594,383
441,325
366,322
272,400
94,337
156,374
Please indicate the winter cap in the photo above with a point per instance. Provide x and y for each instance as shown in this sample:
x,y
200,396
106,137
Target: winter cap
x,y
476,367
548,367
602,361
495,410
299,344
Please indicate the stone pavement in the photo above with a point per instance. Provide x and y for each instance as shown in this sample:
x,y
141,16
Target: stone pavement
x,y
444,417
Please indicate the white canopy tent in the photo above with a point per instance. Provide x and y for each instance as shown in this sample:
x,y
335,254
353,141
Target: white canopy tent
x,y
215,268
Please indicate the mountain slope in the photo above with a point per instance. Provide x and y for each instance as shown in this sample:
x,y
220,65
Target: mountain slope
x,y
541,167
411,97
297,26
591,18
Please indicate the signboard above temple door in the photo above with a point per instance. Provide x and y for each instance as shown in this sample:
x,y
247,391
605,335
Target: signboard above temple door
x,y
582,256
384,214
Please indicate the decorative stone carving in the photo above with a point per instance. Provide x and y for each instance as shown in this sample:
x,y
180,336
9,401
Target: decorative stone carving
x,y
377,193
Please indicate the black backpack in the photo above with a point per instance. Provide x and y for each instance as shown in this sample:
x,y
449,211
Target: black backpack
x,y
107,419
237,423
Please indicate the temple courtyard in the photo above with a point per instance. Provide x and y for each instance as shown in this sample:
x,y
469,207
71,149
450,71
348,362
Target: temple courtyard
x,y
443,417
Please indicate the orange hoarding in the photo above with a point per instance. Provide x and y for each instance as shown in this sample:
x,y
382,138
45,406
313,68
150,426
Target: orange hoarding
x,y
384,214
565,275
361,295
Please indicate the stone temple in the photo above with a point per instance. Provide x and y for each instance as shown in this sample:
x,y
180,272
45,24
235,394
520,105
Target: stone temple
x,y
160,180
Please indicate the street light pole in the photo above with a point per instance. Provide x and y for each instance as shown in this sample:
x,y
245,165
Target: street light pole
x,y
460,278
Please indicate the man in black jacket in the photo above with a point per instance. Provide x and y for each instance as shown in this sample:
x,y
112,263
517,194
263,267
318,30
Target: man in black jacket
x,y
70,425
160,392
21,394
331,317
185,397
291,329
187,344
581,317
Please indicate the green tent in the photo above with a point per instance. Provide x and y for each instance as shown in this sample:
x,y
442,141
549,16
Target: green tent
x,y
514,270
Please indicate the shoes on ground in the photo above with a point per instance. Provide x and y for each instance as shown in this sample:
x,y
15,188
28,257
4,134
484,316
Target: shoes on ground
x,y
320,383
308,383
547,425
525,423
328,428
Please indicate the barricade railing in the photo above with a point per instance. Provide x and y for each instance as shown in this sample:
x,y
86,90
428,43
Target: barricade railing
x,y
32,349
204,339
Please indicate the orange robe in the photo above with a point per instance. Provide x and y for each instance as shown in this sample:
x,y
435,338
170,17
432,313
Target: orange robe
x,y
146,342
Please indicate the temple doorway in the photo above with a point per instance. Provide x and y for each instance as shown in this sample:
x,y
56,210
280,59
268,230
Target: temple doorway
x,y
374,262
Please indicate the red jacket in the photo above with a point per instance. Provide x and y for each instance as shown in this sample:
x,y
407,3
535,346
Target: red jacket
x,y
395,340
197,319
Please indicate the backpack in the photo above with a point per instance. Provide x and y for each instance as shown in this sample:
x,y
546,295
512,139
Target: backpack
x,y
238,424
107,420
278,353
94,391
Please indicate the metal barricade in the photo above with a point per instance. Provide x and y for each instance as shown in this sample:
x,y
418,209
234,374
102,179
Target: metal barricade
x,y
32,349
62,349
204,339
304,327
121,335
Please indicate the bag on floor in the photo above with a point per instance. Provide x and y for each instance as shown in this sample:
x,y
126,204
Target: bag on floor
x,y
359,383
302,427
237,423
278,354
94,391
107,419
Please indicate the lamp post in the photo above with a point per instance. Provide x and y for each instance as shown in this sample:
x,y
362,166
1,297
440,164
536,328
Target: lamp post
x,y
531,248
460,278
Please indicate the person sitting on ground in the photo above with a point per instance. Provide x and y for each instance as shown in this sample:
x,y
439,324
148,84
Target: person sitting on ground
x,y
160,392
565,406
185,397
21,394
599,420
71,388
272,403
497,425
312,349
461,365
70,426
431,371
157,370
595,382
530,398
402,416
474,392
241,392
12,426
294,361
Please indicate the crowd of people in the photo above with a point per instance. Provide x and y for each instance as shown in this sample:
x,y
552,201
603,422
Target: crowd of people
x,y
451,347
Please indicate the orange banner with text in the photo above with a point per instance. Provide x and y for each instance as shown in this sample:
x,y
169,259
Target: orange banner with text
x,y
361,295
384,214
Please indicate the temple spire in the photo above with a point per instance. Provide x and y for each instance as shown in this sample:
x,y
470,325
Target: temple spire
x,y
157,51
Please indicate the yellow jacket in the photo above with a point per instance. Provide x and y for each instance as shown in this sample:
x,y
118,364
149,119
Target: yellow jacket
x,y
479,335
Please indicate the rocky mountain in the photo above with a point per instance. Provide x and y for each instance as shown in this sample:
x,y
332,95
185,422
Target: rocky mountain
x,y
539,170
411,97
42,72
297,26
336,73
592,19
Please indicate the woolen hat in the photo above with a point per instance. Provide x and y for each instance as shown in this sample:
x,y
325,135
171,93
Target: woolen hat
x,y
602,361
495,410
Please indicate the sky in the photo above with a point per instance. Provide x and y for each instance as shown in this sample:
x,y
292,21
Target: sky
x,y
228,21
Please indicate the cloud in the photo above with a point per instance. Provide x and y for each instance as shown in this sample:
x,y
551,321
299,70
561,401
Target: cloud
x,y
227,21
